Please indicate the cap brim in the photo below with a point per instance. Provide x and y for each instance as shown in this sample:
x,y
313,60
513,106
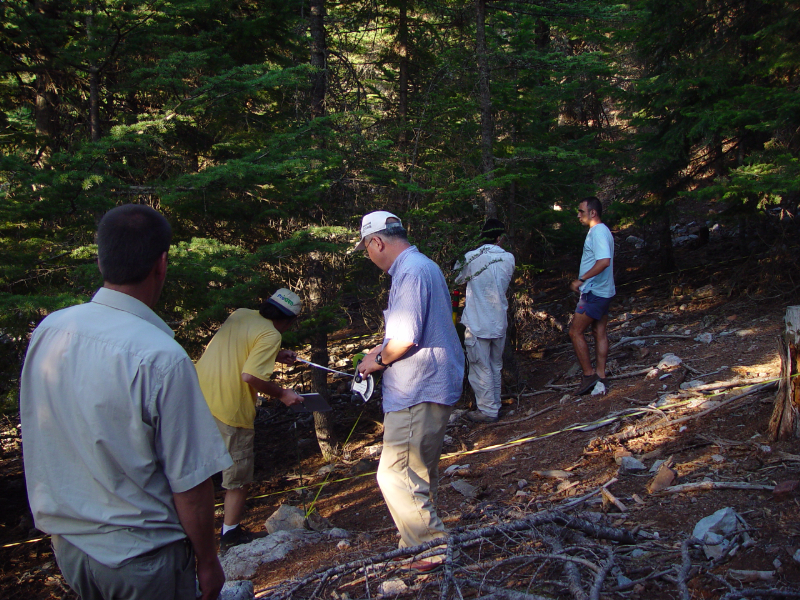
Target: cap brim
x,y
359,246
282,308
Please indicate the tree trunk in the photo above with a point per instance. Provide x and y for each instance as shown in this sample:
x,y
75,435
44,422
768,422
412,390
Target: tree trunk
x,y
666,255
94,85
785,423
318,48
487,123
315,298
402,51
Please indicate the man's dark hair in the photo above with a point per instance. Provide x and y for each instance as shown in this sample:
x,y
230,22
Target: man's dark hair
x,y
273,313
593,204
394,230
130,239
492,229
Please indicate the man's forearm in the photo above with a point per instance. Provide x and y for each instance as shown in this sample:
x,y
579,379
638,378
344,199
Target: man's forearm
x,y
598,267
394,350
268,388
195,508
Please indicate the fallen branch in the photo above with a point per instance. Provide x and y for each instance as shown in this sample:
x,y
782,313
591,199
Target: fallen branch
x,y
713,485
599,490
496,593
638,431
600,578
628,340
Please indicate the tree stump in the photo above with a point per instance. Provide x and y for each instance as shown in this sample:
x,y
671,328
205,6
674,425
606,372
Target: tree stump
x,y
785,421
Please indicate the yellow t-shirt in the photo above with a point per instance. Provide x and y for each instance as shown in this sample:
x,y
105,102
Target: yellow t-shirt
x,y
246,343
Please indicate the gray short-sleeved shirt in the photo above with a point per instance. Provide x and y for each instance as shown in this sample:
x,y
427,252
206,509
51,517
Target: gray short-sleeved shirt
x,y
113,423
420,312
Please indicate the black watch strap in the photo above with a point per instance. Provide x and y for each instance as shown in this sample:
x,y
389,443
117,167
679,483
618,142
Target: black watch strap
x,y
379,360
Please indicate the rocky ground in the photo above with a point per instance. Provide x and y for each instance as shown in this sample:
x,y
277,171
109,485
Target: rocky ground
x,y
564,497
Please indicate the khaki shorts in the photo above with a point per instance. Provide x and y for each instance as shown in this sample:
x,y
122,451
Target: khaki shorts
x,y
239,442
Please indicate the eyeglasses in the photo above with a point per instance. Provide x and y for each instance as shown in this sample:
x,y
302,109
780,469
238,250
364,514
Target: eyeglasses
x,y
367,246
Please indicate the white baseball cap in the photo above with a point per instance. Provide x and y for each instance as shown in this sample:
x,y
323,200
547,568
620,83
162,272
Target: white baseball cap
x,y
287,301
373,223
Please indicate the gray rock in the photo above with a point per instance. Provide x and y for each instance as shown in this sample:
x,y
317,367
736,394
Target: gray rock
x,y
237,590
337,533
241,562
638,553
649,324
715,529
464,488
630,464
327,469
669,361
392,587
706,338
455,416
286,518
796,556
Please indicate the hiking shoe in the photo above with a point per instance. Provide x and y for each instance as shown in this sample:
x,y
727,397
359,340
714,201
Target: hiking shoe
x,y
477,416
236,536
587,384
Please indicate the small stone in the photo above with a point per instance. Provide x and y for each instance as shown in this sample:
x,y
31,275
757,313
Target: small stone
x,y
326,470
669,361
630,464
688,385
785,489
338,533
717,458
392,587
638,553
286,518
448,440
796,556
343,545
554,474
237,590
705,338
622,580
521,494
649,324
638,589
464,488
522,483
653,374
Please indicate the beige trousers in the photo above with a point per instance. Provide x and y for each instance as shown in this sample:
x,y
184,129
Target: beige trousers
x,y
408,473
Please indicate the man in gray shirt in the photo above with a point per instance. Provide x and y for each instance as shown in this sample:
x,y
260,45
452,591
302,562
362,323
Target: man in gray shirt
x,y
423,367
119,444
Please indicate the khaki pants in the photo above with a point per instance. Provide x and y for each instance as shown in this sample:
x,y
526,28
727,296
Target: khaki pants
x,y
408,473
167,573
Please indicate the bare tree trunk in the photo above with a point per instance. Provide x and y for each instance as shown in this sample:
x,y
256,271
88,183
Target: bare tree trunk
x,y
785,423
487,123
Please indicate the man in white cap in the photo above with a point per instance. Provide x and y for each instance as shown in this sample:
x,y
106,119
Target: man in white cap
x,y
423,368
236,364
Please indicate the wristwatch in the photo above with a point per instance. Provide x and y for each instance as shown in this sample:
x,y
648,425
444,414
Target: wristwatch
x,y
581,280
379,360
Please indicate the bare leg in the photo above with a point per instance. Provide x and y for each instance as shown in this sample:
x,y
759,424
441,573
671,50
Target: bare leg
x,y
600,345
579,324
234,505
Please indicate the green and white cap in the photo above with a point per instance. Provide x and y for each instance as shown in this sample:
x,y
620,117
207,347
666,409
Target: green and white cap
x,y
287,301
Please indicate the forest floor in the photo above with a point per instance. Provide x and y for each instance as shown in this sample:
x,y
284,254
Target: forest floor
x,y
533,517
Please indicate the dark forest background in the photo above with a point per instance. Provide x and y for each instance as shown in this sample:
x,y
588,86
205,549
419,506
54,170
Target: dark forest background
x,y
264,129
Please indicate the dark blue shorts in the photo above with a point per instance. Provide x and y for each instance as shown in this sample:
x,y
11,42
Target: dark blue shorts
x,y
594,306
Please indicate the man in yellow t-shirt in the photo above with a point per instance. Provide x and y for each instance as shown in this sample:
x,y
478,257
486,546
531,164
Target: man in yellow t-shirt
x,y
236,364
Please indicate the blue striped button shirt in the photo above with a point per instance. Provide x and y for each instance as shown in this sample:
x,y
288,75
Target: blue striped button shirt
x,y
420,312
